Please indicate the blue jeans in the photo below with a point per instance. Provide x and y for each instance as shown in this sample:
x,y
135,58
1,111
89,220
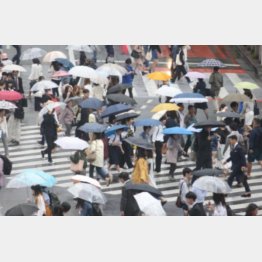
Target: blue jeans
x,y
87,209
99,170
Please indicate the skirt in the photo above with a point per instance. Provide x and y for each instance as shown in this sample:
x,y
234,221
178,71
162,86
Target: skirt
x,y
115,155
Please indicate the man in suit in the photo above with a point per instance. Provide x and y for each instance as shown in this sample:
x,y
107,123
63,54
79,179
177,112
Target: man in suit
x,y
237,157
195,209
18,82
16,58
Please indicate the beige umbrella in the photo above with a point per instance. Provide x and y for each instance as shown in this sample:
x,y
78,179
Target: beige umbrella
x,y
51,56
10,68
236,97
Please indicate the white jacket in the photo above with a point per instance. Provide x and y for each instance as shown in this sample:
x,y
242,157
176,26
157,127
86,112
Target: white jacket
x,y
36,72
98,147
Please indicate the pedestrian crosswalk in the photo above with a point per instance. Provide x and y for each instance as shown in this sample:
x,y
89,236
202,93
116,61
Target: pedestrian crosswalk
x,y
27,155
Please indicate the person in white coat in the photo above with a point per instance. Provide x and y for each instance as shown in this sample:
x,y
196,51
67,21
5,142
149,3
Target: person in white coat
x,y
36,72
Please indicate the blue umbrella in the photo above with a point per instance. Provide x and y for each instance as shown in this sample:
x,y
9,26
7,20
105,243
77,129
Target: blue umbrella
x,y
65,63
147,122
116,109
93,128
110,131
176,131
92,103
211,63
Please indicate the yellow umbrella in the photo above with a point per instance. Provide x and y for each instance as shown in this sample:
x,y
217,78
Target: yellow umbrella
x,y
165,106
159,76
246,85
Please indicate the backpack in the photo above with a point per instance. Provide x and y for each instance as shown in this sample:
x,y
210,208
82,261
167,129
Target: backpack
x,y
54,200
7,168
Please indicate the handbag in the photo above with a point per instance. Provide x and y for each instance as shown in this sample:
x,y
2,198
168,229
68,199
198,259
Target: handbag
x,y
24,102
148,56
77,168
90,155
179,202
135,54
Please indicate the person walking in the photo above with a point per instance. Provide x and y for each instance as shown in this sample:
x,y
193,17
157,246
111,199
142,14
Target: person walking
x,y
216,82
16,58
85,208
155,51
195,209
128,77
39,200
4,131
67,117
36,72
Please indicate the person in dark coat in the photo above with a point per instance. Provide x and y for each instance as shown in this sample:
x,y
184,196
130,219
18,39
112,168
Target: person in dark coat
x,y
202,147
195,209
18,82
60,210
49,127
237,157
16,58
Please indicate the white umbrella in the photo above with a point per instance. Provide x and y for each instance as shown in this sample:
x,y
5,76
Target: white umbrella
x,y
51,56
149,205
101,78
159,114
212,184
196,75
189,98
168,91
13,67
71,143
82,71
86,179
7,105
193,129
111,69
32,53
84,48
87,192
49,107
43,85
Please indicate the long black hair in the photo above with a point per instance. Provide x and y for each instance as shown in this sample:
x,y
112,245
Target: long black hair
x,y
219,199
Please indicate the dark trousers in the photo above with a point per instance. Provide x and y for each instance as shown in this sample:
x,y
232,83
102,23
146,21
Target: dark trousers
x,y
48,150
158,146
16,58
128,152
179,70
172,169
130,91
188,143
203,162
240,177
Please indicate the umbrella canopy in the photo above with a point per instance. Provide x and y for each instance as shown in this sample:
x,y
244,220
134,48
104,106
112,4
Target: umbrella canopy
x,y
159,115
115,109
71,143
159,76
61,73
110,131
165,106
208,172
143,188
10,95
149,205
75,99
106,72
212,184
87,192
176,131
211,63
101,78
109,67
92,103
120,98
246,85
51,56
7,105
86,179
147,122
25,209
43,85
13,67
126,115
31,177
93,127
65,63
229,114
209,123
168,91
32,53
237,97
196,75
83,48
118,88
83,71
50,106
193,129
139,142
189,98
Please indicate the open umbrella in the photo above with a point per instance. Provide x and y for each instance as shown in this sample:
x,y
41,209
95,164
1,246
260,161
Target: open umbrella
x,y
13,67
126,115
168,91
86,179
229,114
120,98
212,184
139,142
71,143
189,98
92,103
10,95
87,192
109,67
193,129
50,106
176,131
83,48
149,205
209,123
147,122
159,115
7,105
25,209
211,63
60,74
143,188
93,128
246,85
208,172
43,85
196,75
236,97
101,78
111,130
51,56
65,63
165,106
83,71
118,88
75,99
115,109
106,72
159,76
32,53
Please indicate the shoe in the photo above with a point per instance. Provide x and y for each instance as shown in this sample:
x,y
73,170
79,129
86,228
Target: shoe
x,y
42,154
16,143
51,162
246,195
239,185
109,180
40,143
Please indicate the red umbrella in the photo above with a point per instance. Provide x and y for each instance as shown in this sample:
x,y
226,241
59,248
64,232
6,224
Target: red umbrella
x,y
10,95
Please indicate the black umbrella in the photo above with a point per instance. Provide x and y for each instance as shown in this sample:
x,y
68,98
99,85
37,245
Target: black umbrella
x,y
208,172
139,142
22,210
120,98
229,114
209,123
127,116
143,188
118,88
116,109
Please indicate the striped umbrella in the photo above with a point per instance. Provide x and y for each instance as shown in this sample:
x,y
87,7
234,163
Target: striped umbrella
x,y
211,63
